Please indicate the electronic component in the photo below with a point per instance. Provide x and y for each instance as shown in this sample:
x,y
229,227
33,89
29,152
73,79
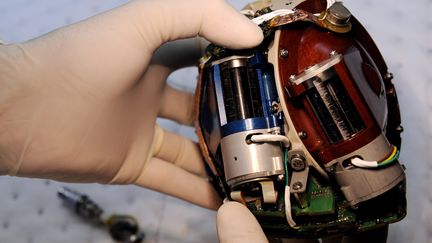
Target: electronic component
x,y
300,128
249,118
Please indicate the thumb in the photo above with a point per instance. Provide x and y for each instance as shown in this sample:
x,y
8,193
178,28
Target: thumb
x,y
214,20
236,224
123,40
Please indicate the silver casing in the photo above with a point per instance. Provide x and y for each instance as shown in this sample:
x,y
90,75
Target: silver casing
x,y
245,162
358,184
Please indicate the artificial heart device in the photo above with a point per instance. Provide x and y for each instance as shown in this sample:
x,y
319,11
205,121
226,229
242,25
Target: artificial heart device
x,y
304,130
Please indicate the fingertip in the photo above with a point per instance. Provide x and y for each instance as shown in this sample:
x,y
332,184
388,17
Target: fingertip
x,y
231,206
224,26
247,35
235,223
253,35
233,210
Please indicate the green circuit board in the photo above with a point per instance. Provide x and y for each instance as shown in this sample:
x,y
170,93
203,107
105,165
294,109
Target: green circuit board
x,y
326,212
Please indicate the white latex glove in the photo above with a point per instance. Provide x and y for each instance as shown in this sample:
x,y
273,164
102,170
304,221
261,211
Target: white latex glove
x,y
79,104
235,223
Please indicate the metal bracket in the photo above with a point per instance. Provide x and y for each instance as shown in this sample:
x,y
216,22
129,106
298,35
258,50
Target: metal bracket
x,y
300,171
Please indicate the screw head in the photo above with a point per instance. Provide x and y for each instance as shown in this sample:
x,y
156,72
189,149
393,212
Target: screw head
x,y
298,162
388,76
274,108
302,135
292,77
297,185
283,53
400,129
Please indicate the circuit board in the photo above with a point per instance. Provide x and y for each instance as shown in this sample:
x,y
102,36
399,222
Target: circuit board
x,y
326,212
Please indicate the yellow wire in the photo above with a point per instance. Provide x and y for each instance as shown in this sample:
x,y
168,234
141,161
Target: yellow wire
x,y
391,156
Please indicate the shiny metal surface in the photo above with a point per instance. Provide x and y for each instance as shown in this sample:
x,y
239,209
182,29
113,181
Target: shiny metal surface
x,y
338,15
244,162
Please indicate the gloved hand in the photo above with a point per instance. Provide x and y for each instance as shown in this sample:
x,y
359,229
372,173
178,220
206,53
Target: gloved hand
x,y
236,224
79,104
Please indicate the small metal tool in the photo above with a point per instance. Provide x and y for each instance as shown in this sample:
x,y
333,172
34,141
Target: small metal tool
x,y
122,228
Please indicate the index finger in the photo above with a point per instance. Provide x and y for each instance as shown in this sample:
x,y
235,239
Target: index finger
x,y
165,177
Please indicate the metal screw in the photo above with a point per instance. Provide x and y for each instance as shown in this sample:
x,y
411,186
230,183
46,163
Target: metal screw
x,y
302,135
297,162
283,53
388,76
399,129
297,185
292,77
333,53
274,107
280,177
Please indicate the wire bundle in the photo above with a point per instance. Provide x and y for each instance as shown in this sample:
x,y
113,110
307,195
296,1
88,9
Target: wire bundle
x,y
268,138
375,164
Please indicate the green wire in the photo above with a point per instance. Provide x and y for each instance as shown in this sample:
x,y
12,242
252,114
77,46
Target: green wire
x,y
390,161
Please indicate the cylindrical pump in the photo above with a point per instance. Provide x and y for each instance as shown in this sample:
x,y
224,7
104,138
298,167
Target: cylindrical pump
x,y
248,106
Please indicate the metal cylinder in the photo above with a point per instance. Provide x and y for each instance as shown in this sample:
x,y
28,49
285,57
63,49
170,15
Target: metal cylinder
x,y
246,98
246,162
